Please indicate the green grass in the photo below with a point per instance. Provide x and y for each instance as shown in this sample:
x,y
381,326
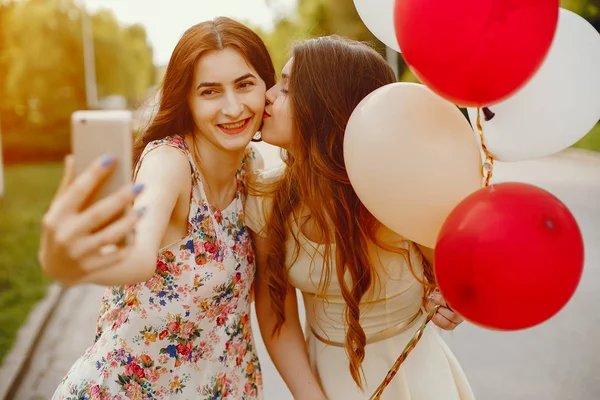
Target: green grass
x,y
591,141
28,192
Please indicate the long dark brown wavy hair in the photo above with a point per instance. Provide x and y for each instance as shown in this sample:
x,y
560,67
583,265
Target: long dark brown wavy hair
x,y
173,116
329,77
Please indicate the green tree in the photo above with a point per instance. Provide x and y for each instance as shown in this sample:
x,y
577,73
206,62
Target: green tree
x,y
335,17
313,18
588,9
43,75
140,66
42,71
285,32
123,58
5,9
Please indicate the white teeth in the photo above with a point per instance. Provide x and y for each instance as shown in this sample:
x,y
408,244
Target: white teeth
x,y
234,126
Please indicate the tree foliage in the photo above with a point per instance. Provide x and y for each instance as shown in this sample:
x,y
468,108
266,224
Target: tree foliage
x,y
313,18
42,79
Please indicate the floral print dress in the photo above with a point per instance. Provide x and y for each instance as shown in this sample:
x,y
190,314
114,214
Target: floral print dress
x,y
185,333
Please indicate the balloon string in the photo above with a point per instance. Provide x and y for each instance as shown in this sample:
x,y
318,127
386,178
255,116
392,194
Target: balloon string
x,y
409,347
487,169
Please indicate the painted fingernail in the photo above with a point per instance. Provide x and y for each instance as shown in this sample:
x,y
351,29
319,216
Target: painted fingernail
x,y
107,160
137,189
141,211
430,297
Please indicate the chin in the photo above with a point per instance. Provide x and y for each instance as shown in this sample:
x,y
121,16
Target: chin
x,y
236,142
267,135
274,140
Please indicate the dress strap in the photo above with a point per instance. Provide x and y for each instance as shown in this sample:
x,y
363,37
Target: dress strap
x,y
175,141
179,143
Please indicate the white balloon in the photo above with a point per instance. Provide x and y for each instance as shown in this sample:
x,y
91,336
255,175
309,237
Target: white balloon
x,y
411,157
558,106
378,17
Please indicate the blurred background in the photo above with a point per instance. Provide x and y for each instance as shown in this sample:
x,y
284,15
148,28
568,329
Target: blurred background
x,y
58,56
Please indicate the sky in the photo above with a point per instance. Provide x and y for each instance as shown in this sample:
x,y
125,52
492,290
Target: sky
x,y
166,20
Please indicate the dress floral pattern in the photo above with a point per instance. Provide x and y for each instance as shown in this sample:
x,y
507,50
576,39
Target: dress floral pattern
x,y
185,333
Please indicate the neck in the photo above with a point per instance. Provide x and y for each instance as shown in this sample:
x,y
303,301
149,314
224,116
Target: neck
x,y
217,166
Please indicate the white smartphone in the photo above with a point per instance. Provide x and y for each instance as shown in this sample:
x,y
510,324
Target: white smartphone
x,y
99,132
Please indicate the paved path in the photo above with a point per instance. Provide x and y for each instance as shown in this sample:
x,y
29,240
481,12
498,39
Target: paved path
x,y
559,360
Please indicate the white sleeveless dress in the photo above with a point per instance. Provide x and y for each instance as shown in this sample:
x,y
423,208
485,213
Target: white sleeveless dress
x,y
393,311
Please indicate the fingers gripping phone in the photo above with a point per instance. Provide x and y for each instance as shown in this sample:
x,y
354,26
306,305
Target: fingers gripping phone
x,y
99,132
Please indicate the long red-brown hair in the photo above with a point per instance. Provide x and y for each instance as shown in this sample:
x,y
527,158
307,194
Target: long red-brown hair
x,y
329,77
173,116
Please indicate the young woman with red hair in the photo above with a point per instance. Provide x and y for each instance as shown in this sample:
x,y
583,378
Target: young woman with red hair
x,y
175,322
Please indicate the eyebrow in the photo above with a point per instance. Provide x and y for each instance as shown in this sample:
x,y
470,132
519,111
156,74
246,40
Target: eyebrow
x,y
213,84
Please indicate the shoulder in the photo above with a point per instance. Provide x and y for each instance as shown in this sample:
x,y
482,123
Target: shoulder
x,y
271,176
253,159
175,142
166,161
259,204
169,157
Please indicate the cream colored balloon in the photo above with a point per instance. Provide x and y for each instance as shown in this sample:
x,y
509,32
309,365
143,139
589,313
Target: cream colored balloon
x,y
411,157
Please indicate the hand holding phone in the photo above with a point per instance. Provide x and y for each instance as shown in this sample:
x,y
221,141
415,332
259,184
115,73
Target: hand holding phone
x,y
99,132
80,234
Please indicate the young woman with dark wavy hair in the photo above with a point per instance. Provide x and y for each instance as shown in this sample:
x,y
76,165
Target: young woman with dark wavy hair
x,y
364,287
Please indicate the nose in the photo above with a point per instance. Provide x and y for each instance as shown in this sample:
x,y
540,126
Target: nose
x,y
233,106
271,94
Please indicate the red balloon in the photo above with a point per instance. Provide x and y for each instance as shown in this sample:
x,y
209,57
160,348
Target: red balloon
x,y
509,256
475,52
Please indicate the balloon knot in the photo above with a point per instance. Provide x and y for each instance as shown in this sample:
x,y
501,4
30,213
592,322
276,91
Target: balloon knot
x,y
487,113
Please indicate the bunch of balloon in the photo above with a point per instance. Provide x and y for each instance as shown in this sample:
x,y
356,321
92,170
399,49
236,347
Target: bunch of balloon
x,y
535,90
532,66
505,246
538,88
527,71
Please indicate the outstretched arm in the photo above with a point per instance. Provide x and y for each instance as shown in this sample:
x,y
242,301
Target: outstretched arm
x,y
76,240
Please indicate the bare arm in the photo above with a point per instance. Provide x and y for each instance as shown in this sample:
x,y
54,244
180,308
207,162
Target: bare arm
x,y
73,235
165,174
74,238
288,349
